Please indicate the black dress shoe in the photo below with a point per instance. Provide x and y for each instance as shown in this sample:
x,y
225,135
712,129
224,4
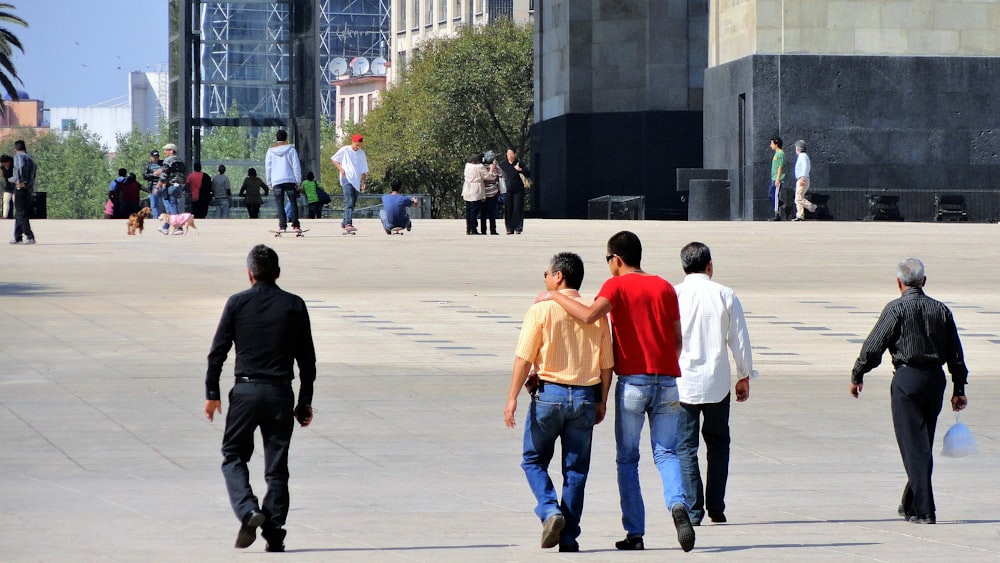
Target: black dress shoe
x,y
569,547
275,538
248,530
633,543
906,514
717,517
685,532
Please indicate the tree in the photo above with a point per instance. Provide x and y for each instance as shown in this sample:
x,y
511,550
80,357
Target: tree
x,y
8,41
73,170
458,95
133,150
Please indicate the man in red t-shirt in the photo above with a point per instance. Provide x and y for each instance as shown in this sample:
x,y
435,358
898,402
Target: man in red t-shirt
x,y
646,328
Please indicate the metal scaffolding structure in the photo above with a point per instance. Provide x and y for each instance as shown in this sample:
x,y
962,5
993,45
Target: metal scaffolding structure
x,y
244,51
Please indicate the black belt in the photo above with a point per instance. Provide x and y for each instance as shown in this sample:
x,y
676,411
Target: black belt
x,y
265,380
542,383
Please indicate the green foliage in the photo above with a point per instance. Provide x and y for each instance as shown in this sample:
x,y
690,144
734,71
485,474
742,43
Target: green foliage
x,y
73,170
133,151
8,42
460,95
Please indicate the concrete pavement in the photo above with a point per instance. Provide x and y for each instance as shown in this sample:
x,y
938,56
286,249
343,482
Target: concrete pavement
x,y
107,455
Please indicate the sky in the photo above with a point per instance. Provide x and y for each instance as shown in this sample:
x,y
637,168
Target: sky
x,y
80,53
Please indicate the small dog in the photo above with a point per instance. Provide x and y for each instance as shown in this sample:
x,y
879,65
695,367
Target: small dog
x,y
135,220
177,222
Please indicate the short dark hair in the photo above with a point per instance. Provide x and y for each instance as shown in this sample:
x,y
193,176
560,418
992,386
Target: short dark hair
x,y
122,172
571,266
777,141
626,245
6,158
197,167
281,135
252,172
310,176
695,257
396,184
475,158
222,169
262,262
19,145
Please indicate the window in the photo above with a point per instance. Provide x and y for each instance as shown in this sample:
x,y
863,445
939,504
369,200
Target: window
x,y
479,7
350,115
429,13
68,125
416,13
341,115
401,10
457,14
371,98
443,11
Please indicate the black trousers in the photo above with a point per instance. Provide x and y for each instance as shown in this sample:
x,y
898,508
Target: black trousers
x,y
22,208
267,406
915,397
473,211
710,494
513,211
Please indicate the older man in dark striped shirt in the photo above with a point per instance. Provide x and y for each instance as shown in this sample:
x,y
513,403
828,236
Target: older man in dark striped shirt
x,y
921,335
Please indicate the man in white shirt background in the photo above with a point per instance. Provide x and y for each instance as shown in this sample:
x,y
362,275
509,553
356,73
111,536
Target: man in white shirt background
x,y
803,166
352,163
711,320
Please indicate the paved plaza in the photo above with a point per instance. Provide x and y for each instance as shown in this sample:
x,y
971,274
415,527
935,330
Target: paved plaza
x,y
107,456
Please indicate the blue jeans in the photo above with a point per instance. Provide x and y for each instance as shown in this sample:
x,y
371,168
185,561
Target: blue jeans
x,y
280,191
173,195
350,198
711,494
385,221
155,201
774,194
567,413
636,397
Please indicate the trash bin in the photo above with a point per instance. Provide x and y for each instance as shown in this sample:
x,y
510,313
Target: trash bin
x,y
39,207
709,200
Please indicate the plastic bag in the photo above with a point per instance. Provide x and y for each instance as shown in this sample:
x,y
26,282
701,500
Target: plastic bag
x,y
959,441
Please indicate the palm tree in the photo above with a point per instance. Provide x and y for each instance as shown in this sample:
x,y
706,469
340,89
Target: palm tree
x,y
8,41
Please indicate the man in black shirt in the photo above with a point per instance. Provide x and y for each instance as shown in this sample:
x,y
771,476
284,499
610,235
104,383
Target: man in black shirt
x,y
921,335
513,213
270,328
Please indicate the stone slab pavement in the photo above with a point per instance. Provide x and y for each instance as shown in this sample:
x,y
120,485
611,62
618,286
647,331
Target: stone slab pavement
x,y
107,456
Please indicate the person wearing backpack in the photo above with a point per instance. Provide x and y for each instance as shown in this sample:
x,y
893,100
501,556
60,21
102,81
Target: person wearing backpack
x,y
115,192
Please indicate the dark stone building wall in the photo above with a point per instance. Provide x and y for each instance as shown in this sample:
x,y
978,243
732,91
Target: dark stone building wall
x,y
582,156
912,127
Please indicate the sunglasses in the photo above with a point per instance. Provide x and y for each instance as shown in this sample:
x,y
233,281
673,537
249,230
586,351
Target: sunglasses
x,y
609,257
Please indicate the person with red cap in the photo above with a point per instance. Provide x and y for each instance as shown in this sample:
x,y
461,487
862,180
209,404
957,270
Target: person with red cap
x,y
352,163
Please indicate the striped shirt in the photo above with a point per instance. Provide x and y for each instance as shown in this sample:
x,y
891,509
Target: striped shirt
x,y
565,350
918,331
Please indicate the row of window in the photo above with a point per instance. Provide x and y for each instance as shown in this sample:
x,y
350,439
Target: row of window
x,y
353,109
442,11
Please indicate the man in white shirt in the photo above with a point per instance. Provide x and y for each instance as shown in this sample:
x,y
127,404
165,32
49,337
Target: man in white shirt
x,y
803,166
711,320
352,163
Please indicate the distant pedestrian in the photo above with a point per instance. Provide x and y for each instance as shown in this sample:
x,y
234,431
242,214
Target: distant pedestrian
x,y
7,167
352,163
173,172
131,195
476,176
921,336
283,174
222,192
803,166
23,179
777,177
199,185
512,169
312,197
251,191
115,193
151,174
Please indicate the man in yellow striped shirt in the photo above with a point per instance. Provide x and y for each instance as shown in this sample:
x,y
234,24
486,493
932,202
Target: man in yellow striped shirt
x,y
574,362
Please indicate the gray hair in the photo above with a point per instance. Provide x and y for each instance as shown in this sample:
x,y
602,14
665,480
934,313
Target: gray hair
x,y
910,272
801,145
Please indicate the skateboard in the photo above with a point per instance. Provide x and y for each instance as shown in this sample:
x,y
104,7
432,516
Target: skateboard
x,y
350,230
297,234
395,231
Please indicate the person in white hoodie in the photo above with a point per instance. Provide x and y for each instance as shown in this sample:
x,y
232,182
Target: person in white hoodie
x,y
283,174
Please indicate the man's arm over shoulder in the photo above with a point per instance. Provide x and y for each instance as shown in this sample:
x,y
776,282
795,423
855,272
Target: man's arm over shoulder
x,y
587,314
